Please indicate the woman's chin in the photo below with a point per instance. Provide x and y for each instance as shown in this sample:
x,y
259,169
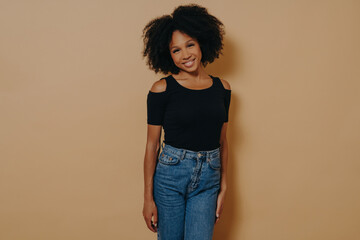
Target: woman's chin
x,y
190,70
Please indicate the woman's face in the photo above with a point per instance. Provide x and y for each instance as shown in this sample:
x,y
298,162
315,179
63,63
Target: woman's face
x,y
185,51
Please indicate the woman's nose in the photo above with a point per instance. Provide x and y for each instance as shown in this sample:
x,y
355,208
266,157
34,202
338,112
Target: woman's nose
x,y
186,55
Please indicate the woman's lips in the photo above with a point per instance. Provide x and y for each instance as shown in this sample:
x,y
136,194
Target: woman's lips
x,y
189,63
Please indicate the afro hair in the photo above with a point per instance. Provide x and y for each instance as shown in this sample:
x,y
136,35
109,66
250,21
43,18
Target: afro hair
x,y
192,20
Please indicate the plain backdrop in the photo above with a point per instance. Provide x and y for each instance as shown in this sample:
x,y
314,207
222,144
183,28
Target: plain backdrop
x,y
73,87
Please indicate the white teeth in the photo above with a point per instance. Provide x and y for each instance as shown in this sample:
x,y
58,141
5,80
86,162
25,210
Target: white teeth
x,y
188,64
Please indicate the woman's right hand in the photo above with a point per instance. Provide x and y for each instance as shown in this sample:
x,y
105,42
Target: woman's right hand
x,y
150,215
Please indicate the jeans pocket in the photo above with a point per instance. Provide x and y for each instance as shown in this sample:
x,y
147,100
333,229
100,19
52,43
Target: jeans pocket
x,y
168,158
215,162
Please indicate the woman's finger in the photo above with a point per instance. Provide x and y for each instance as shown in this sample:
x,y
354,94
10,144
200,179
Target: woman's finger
x,y
217,219
155,220
149,224
218,210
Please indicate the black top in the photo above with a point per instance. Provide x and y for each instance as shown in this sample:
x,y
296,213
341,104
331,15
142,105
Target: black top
x,y
192,119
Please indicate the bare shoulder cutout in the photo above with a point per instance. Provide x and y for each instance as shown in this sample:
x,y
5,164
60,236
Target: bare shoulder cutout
x,y
159,86
226,84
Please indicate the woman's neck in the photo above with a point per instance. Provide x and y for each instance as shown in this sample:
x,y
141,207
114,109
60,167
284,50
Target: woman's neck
x,y
196,75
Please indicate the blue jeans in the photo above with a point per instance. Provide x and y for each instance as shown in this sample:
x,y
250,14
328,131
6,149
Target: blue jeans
x,y
186,186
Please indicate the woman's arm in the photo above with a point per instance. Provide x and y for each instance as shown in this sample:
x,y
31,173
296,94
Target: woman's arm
x,y
224,157
151,153
224,160
223,183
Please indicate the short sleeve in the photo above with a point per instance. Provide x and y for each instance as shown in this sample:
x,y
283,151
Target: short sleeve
x,y
156,106
227,103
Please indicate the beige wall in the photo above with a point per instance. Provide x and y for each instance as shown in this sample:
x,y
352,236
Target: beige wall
x,y
73,91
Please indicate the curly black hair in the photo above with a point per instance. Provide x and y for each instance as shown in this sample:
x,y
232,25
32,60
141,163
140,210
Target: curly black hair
x,y
190,19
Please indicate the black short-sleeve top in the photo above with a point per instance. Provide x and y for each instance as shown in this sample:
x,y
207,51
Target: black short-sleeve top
x,y
192,119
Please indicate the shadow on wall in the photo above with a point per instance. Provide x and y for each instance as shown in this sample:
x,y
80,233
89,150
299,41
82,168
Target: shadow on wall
x,y
222,67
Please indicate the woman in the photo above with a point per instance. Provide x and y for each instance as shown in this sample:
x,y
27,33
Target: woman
x,y
185,185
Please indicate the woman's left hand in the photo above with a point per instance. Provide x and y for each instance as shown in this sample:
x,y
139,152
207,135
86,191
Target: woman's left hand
x,y
220,204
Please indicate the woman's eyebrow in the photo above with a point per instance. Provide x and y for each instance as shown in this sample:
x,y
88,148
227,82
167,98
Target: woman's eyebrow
x,y
185,43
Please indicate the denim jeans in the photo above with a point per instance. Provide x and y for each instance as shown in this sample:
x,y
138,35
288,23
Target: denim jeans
x,y
186,186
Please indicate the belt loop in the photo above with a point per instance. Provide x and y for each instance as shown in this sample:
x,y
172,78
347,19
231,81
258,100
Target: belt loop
x,y
161,146
183,154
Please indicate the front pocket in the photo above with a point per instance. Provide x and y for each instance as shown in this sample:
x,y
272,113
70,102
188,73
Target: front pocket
x,y
215,163
168,159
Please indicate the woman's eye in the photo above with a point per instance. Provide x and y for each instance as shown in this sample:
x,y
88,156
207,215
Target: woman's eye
x,y
190,45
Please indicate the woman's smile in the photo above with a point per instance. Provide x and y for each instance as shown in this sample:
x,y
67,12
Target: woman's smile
x,y
189,63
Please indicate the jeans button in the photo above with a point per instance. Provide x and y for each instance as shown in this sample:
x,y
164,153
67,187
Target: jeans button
x,y
199,154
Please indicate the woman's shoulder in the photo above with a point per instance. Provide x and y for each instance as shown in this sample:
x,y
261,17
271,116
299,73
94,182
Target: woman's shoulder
x,y
225,84
159,86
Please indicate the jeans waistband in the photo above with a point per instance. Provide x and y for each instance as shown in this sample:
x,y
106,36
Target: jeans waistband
x,y
189,153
